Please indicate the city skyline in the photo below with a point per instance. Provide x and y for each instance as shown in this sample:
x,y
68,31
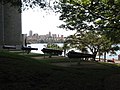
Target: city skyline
x,y
41,22
31,33
47,38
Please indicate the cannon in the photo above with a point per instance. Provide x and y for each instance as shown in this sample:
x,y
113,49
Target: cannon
x,y
80,55
28,49
9,47
51,51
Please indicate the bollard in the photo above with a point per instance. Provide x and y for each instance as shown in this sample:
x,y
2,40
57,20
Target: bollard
x,y
119,57
113,60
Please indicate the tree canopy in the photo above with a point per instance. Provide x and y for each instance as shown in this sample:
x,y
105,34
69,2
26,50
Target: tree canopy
x,y
97,23
27,4
98,15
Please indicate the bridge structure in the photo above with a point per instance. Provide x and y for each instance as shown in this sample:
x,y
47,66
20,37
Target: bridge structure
x,y
10,26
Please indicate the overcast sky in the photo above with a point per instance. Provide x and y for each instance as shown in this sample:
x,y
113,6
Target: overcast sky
x,y
42,22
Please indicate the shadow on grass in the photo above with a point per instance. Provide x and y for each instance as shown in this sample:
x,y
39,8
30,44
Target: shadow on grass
x,y
20,72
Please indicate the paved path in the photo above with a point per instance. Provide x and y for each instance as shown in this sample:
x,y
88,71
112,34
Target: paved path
x,y
117,61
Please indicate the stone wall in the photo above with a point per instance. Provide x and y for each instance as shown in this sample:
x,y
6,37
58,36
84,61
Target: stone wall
x,y
10,26
1,25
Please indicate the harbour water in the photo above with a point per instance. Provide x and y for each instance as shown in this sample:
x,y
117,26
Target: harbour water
x,y
40,46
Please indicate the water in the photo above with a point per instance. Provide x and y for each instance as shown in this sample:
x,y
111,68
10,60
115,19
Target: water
x,y
40,46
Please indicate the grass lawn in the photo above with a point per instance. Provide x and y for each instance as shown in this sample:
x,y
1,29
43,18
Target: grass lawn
x,y
21,72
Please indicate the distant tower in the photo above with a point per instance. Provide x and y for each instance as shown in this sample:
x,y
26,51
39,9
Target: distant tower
x,y
49,34
62,36
30,33
10,26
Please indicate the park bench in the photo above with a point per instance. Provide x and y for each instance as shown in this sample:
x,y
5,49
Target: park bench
x,y
80,55
28,49
51,52
9,47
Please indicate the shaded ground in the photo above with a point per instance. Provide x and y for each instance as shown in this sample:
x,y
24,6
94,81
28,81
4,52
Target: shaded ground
x,y
81,65
4,59
24,74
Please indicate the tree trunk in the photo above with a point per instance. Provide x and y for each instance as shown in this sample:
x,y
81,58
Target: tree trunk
x,y
99,54
104,56
64,52
95,53
94,57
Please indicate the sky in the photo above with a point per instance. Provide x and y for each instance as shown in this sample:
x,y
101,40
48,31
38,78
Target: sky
x,y
42,22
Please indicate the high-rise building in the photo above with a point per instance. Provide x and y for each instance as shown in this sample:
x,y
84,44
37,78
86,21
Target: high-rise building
x,y
49,34
10,26
30,33
62,36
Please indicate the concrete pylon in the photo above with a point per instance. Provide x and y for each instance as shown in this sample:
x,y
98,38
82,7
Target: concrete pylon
x,y
10,26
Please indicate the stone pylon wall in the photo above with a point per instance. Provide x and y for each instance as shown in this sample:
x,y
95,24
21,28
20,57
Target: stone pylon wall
x,y
1,25
10,25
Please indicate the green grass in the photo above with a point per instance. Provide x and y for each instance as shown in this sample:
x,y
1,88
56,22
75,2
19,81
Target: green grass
x,y
20,72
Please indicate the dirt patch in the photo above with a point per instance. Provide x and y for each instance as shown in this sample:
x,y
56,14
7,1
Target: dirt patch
x,y
67,64
77,65
47,57
70,63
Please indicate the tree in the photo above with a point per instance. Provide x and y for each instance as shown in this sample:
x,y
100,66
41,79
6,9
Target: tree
x,y
90,41
53,46
93,15
99,17
65,47
27,4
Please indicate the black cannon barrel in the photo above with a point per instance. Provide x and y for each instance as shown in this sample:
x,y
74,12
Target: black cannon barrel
x,y
9,47
52,51
79,55
28,48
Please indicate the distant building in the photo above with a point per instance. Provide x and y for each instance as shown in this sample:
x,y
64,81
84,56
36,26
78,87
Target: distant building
x,y
24,38
49,34
30,33
48,38
62,36
10,26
